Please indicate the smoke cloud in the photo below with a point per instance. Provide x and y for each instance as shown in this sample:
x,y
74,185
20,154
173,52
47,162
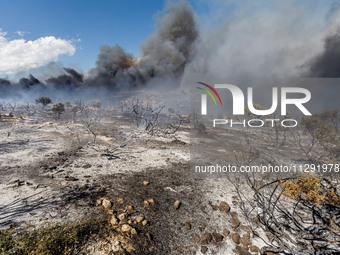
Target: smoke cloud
x,y
164,54
237,41
327,63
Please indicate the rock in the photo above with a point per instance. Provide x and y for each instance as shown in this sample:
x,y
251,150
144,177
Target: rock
x,y
99,202
151,201
244,228
245,241
224,207
233,214
86,166
204,249
145,222
146,183
114,221
126,228
206,239
241,251
236,238
235,222
177,204
122,216
196,239
133,231
217,237
106,203
226,232
139,218
254,249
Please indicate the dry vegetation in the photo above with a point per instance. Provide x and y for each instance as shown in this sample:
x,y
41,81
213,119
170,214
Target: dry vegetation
x,y
117,172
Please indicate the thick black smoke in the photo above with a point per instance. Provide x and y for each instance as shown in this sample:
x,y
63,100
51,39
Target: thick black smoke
x,y
327,64
69,79
164,54
4,82
264,43
30,81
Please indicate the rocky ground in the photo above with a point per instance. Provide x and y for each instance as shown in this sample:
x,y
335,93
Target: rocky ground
x,y
54,172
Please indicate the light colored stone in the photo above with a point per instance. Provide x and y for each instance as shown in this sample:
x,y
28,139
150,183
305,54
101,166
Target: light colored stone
x,y
139,218
145,222
177,204
122,216
99,202
106,203
126,228
114,221
226,232
151,201
133,231
146,183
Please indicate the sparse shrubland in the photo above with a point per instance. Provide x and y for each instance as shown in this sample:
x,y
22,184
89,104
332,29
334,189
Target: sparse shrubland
x,y
54,240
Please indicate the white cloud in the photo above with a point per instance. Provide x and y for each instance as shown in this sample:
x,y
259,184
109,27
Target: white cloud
x,y
20,55
21,33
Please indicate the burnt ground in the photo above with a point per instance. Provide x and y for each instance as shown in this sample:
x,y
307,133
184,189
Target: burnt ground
x,y
53,172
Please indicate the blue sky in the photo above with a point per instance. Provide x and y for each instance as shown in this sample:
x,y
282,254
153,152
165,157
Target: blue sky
x,y
94,22
89,24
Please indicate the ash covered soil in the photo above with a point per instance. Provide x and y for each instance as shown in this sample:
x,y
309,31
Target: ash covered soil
x,y
54,172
